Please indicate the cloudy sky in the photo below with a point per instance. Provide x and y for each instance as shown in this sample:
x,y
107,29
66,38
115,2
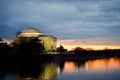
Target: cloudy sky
x,y
73,22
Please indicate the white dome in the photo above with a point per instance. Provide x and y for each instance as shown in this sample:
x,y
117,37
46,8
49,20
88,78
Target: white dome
x,y
31,30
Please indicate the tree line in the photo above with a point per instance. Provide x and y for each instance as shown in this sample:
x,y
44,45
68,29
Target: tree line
x,y
25,46
32,46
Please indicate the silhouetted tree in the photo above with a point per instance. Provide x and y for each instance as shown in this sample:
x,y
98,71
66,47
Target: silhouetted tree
x,y
61,49
78,50
4,48
29,46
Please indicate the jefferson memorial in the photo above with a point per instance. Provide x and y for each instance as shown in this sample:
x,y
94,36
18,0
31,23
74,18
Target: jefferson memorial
x,y
48,41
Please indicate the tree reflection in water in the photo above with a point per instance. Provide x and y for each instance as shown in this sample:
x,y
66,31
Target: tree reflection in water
x,y
28,69
43,70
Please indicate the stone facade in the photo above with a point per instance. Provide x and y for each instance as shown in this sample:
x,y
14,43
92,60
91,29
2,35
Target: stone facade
x,y
48,41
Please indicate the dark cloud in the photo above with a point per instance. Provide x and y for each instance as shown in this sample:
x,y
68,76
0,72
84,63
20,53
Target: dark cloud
x,y
7,32
66,19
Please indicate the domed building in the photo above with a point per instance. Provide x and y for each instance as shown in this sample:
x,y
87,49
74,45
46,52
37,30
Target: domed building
x,y
48,41
30,32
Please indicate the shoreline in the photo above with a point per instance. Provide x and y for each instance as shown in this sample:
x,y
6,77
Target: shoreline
x,y
52,57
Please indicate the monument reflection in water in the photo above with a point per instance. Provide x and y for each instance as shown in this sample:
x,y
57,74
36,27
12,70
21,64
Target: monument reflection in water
x,y
99,69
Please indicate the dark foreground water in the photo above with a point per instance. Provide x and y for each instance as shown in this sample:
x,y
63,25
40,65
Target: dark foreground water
x,y
98,69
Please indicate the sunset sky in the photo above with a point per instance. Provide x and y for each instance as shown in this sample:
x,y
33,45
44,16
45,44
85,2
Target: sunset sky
x,y
86,23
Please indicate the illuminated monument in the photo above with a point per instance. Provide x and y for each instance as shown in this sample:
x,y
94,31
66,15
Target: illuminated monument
x,y
48,41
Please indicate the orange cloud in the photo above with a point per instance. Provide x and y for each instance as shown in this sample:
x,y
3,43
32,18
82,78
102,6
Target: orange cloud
x,y
97,43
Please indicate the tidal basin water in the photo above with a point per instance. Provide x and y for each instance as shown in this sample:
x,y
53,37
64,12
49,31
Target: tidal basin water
x,y
97,69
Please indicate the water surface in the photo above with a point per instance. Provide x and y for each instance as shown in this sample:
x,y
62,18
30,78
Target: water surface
x,y
98,69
